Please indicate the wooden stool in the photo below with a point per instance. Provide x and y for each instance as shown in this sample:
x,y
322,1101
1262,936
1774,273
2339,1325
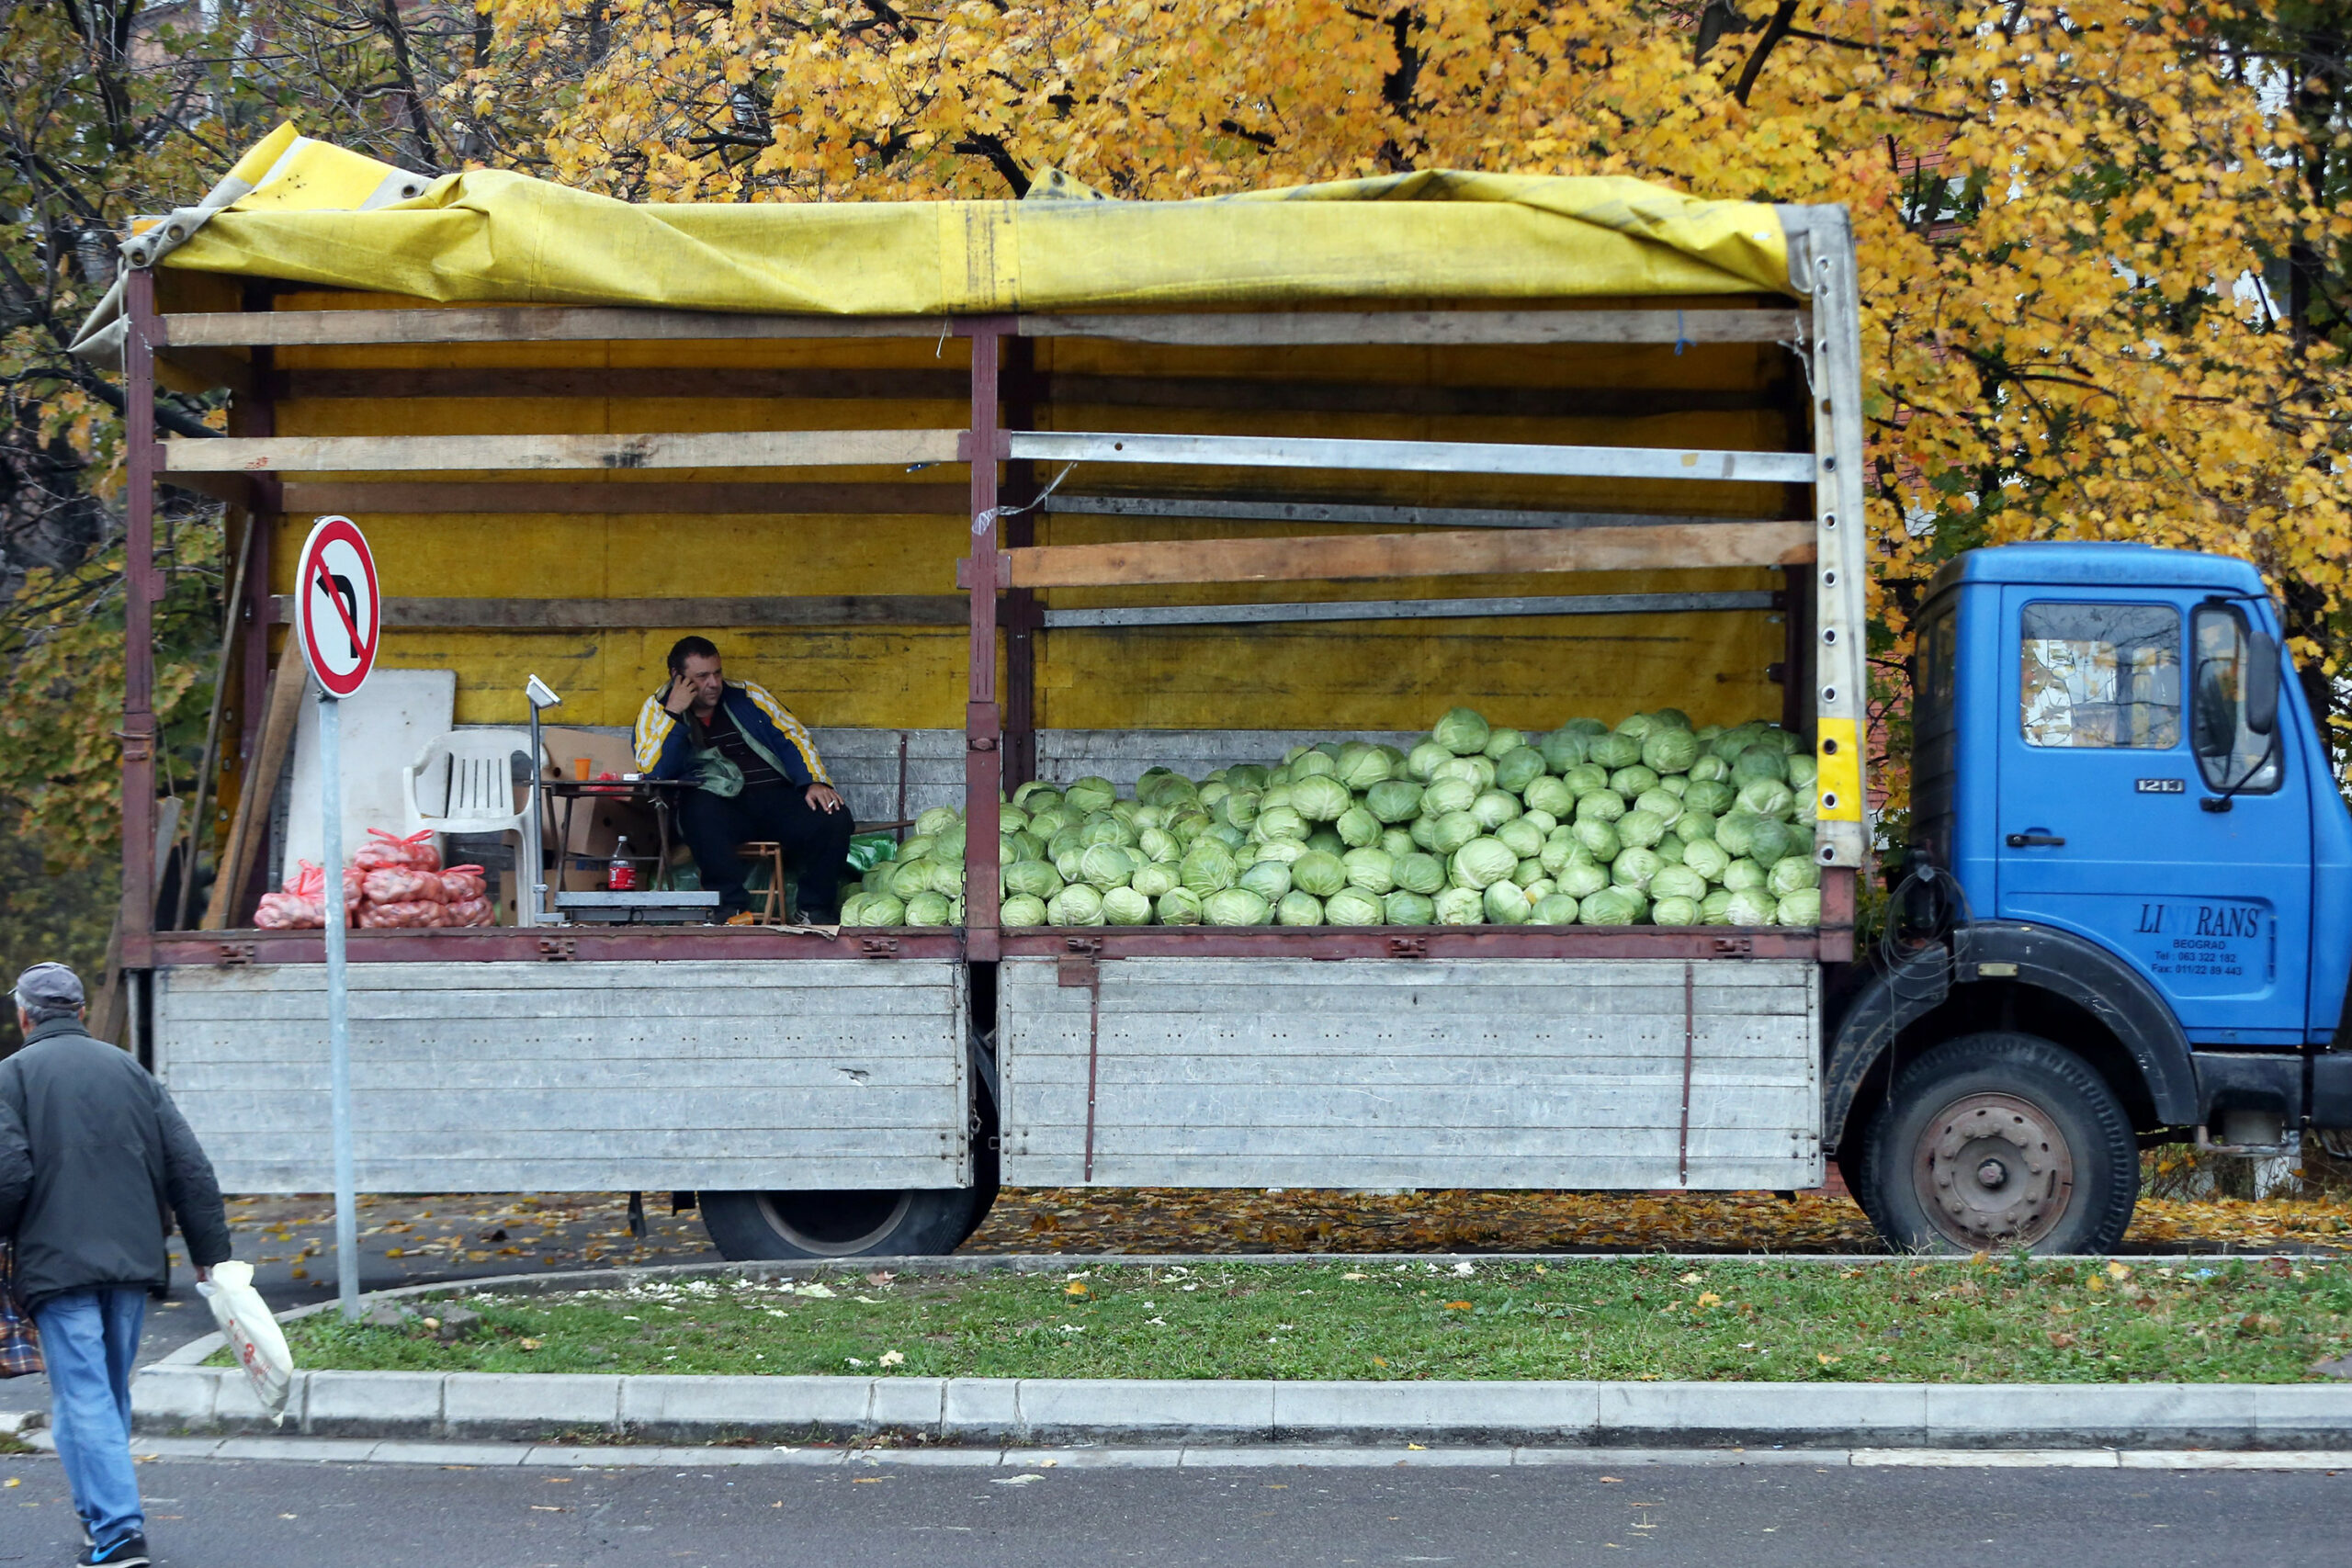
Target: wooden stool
x,y
771,855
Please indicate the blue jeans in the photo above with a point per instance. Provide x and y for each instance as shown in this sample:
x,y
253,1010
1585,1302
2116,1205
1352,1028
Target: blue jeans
x,y
90,1340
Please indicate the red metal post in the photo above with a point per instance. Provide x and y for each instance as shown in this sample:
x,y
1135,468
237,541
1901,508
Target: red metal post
x,y
983,723
256,415
139,597
1022,619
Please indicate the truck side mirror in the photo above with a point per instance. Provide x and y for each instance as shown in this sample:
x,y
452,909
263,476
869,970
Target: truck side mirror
x,y
2262,675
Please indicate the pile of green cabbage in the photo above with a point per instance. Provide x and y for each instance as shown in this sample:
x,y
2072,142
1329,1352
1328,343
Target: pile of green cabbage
x,y
1651,823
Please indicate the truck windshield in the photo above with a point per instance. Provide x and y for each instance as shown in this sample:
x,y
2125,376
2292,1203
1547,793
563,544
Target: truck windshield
x,y
2102,675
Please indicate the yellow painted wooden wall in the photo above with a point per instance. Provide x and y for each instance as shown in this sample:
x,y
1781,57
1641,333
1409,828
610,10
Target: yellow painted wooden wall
x,y
1531,672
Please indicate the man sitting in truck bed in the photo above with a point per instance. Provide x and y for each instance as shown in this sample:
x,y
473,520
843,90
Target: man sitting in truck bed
x,y
760,778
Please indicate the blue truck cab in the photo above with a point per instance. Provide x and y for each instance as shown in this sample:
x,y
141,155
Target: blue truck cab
x,y
2127,915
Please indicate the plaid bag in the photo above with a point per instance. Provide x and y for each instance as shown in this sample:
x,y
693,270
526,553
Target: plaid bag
x,y
19,1340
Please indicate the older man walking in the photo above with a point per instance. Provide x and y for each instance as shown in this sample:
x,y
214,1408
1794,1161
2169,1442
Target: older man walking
x,y
95,1160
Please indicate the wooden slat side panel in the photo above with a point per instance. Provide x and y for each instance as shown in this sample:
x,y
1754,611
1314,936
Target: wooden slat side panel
x,y
541,1077
1508,1073
1458,552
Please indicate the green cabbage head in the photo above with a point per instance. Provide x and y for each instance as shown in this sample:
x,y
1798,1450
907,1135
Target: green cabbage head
x,y
1461,906
1609,907
1795,874
1481,863
1677,882
927,909
1752,907
1318,873
1351,907
1125,907
1743,876
1208,867
1178,907
1506,904
1421,873
1705,857
1554,909
1021,909
1320,798
1236,907
1406,908
1518,768
1357,827
1548,793
1676,912
1298,908
1153,878
1269,879
1033,877
1462,731
1422,762
1393,800
1802,907
1670,750
1370,870
1564,749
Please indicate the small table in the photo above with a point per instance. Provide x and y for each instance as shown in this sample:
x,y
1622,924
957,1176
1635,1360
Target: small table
x,y
661,794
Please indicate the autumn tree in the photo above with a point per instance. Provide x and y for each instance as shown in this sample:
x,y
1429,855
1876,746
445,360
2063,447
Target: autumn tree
x,y
2066,216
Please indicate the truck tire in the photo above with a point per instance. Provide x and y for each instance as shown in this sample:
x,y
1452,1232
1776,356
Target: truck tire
x,y
1998,1140
908,1223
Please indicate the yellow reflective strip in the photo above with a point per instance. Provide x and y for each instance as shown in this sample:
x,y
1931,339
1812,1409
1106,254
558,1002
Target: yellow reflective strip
x,y
654,722
1839,783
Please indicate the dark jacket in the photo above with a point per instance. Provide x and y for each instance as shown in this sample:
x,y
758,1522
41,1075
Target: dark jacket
x,y
665,748
95,1160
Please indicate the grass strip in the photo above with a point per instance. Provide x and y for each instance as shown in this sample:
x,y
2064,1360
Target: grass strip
x,y
1994,1320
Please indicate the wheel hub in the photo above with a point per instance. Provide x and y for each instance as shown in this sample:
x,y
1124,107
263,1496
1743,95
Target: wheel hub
x,y
1994,1169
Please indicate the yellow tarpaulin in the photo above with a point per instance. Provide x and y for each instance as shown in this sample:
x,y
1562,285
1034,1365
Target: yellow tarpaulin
x,y
490,236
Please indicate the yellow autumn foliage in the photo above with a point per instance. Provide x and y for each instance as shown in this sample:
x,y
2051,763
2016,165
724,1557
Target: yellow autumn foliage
x,y
2064,215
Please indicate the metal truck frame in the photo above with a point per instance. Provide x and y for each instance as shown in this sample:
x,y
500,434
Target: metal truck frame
x,y
864,1094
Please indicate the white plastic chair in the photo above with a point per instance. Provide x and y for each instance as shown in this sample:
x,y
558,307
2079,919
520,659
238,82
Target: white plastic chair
x,y
464,782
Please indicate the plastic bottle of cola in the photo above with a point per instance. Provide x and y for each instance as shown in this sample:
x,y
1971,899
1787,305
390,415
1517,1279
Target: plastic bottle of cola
x,y
621,876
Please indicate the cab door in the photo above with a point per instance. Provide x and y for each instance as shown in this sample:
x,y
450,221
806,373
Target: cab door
x,y
2135,809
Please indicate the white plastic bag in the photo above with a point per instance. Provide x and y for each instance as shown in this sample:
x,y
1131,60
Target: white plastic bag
x,y
253,1334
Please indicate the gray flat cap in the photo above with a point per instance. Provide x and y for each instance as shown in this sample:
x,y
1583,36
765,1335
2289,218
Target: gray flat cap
x,y
48,988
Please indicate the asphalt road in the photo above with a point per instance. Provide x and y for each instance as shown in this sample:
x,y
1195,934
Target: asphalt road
x,y
219,1514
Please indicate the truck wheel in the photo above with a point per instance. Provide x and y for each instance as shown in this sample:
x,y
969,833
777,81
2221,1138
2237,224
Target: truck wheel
x,y
1997,1140
752,1226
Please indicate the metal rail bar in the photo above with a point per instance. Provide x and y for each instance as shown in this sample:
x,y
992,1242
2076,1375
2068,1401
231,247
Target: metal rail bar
x,y
1409,609
1280,510
1696,324
1410,456
515,323
424,454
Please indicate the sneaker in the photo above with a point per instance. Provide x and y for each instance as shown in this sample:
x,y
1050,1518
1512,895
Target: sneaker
x,y
130,1551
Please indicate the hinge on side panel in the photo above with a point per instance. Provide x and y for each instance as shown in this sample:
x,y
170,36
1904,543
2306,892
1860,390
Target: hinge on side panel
x,y
234,954
1409,947
877,946
1083,943
556,949
1734,947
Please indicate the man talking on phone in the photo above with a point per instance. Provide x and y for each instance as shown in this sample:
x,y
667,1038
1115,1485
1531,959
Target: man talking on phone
x,y
758,778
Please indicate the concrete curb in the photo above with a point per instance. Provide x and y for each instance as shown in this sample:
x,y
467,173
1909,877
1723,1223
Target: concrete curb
x,y
509,1407
1016,1460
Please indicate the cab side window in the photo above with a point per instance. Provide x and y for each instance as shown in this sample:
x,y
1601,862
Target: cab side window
x,y
2100,675
2231,755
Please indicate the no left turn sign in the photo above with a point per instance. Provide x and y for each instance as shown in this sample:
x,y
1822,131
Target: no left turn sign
x,y
338,615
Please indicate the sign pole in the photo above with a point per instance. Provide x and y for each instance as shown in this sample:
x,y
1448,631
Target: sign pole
x,y
346,1218
338,619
